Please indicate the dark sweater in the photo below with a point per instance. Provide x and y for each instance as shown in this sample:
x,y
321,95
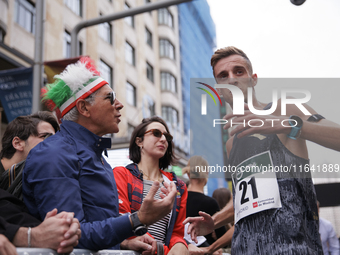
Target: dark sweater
x,y
13,215
199,202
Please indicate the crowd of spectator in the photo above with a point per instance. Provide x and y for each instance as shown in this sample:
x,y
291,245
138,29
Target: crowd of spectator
x,y
57,190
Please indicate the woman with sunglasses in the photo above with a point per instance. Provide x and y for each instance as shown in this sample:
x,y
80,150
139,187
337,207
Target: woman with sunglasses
x,y
152,150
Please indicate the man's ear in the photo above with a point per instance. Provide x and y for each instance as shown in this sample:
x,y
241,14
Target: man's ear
x,y
18,144
83,107
254,78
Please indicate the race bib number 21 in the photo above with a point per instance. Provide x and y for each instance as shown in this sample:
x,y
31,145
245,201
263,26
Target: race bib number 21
x,y
256,189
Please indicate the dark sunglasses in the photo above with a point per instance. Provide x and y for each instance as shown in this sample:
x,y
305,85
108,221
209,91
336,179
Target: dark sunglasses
x,y
157,133
112,96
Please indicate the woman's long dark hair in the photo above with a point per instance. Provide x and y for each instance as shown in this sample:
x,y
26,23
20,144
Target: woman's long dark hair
x,y
134,151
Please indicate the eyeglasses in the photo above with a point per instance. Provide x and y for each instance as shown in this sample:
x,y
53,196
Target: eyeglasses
x,y
111,95
157,133
45,135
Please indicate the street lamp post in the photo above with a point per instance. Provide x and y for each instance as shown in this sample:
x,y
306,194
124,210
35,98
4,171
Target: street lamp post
x,y
38,55
115,16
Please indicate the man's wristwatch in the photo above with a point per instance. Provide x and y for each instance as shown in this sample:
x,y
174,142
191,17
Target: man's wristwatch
x,y
138,228
296,123
315,118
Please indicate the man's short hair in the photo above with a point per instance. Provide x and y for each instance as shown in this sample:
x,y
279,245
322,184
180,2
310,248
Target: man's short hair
x,y
73,114
226,52
23,127
47,117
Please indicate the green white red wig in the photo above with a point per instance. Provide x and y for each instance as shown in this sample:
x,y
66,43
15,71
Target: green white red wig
x,y
77,81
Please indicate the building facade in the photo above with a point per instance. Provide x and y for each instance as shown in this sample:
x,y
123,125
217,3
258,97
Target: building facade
x,y
148,60
139,56
197,44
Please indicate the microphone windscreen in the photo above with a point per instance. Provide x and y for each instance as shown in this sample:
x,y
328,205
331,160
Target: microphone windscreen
x,y
298,2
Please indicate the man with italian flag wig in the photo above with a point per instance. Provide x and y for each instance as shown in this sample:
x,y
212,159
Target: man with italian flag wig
x,y
68,172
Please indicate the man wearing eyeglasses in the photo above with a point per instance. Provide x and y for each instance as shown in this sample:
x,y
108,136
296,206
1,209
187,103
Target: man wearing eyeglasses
x,y
21,135
17,227
69,172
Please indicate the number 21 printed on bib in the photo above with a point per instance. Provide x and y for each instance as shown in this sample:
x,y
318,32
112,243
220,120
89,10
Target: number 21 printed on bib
x,y
256,189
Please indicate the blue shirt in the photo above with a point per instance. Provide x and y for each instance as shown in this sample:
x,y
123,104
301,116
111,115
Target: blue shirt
x,y
67,172
329,240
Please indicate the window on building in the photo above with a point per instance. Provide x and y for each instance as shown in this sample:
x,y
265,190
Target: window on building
x,y
168,82
80,48
148,37
149,71
166,49
105,31
130,19
165,17
148,106
76,6
170,115
106,72
129,54
25,15
67,45
131,94
2,35
152,109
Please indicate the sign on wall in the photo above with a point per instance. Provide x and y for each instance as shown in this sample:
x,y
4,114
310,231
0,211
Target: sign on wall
x,y
16,92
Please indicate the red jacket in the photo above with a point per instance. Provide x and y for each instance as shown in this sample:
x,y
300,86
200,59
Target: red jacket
x,y
129,182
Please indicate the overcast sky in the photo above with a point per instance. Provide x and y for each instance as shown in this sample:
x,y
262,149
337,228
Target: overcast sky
x,y
287,41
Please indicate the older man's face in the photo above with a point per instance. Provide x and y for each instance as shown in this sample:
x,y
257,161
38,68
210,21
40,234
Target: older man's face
x,y
105,117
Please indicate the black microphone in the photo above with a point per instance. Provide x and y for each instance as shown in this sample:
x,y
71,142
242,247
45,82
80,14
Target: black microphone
x,y
298,2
